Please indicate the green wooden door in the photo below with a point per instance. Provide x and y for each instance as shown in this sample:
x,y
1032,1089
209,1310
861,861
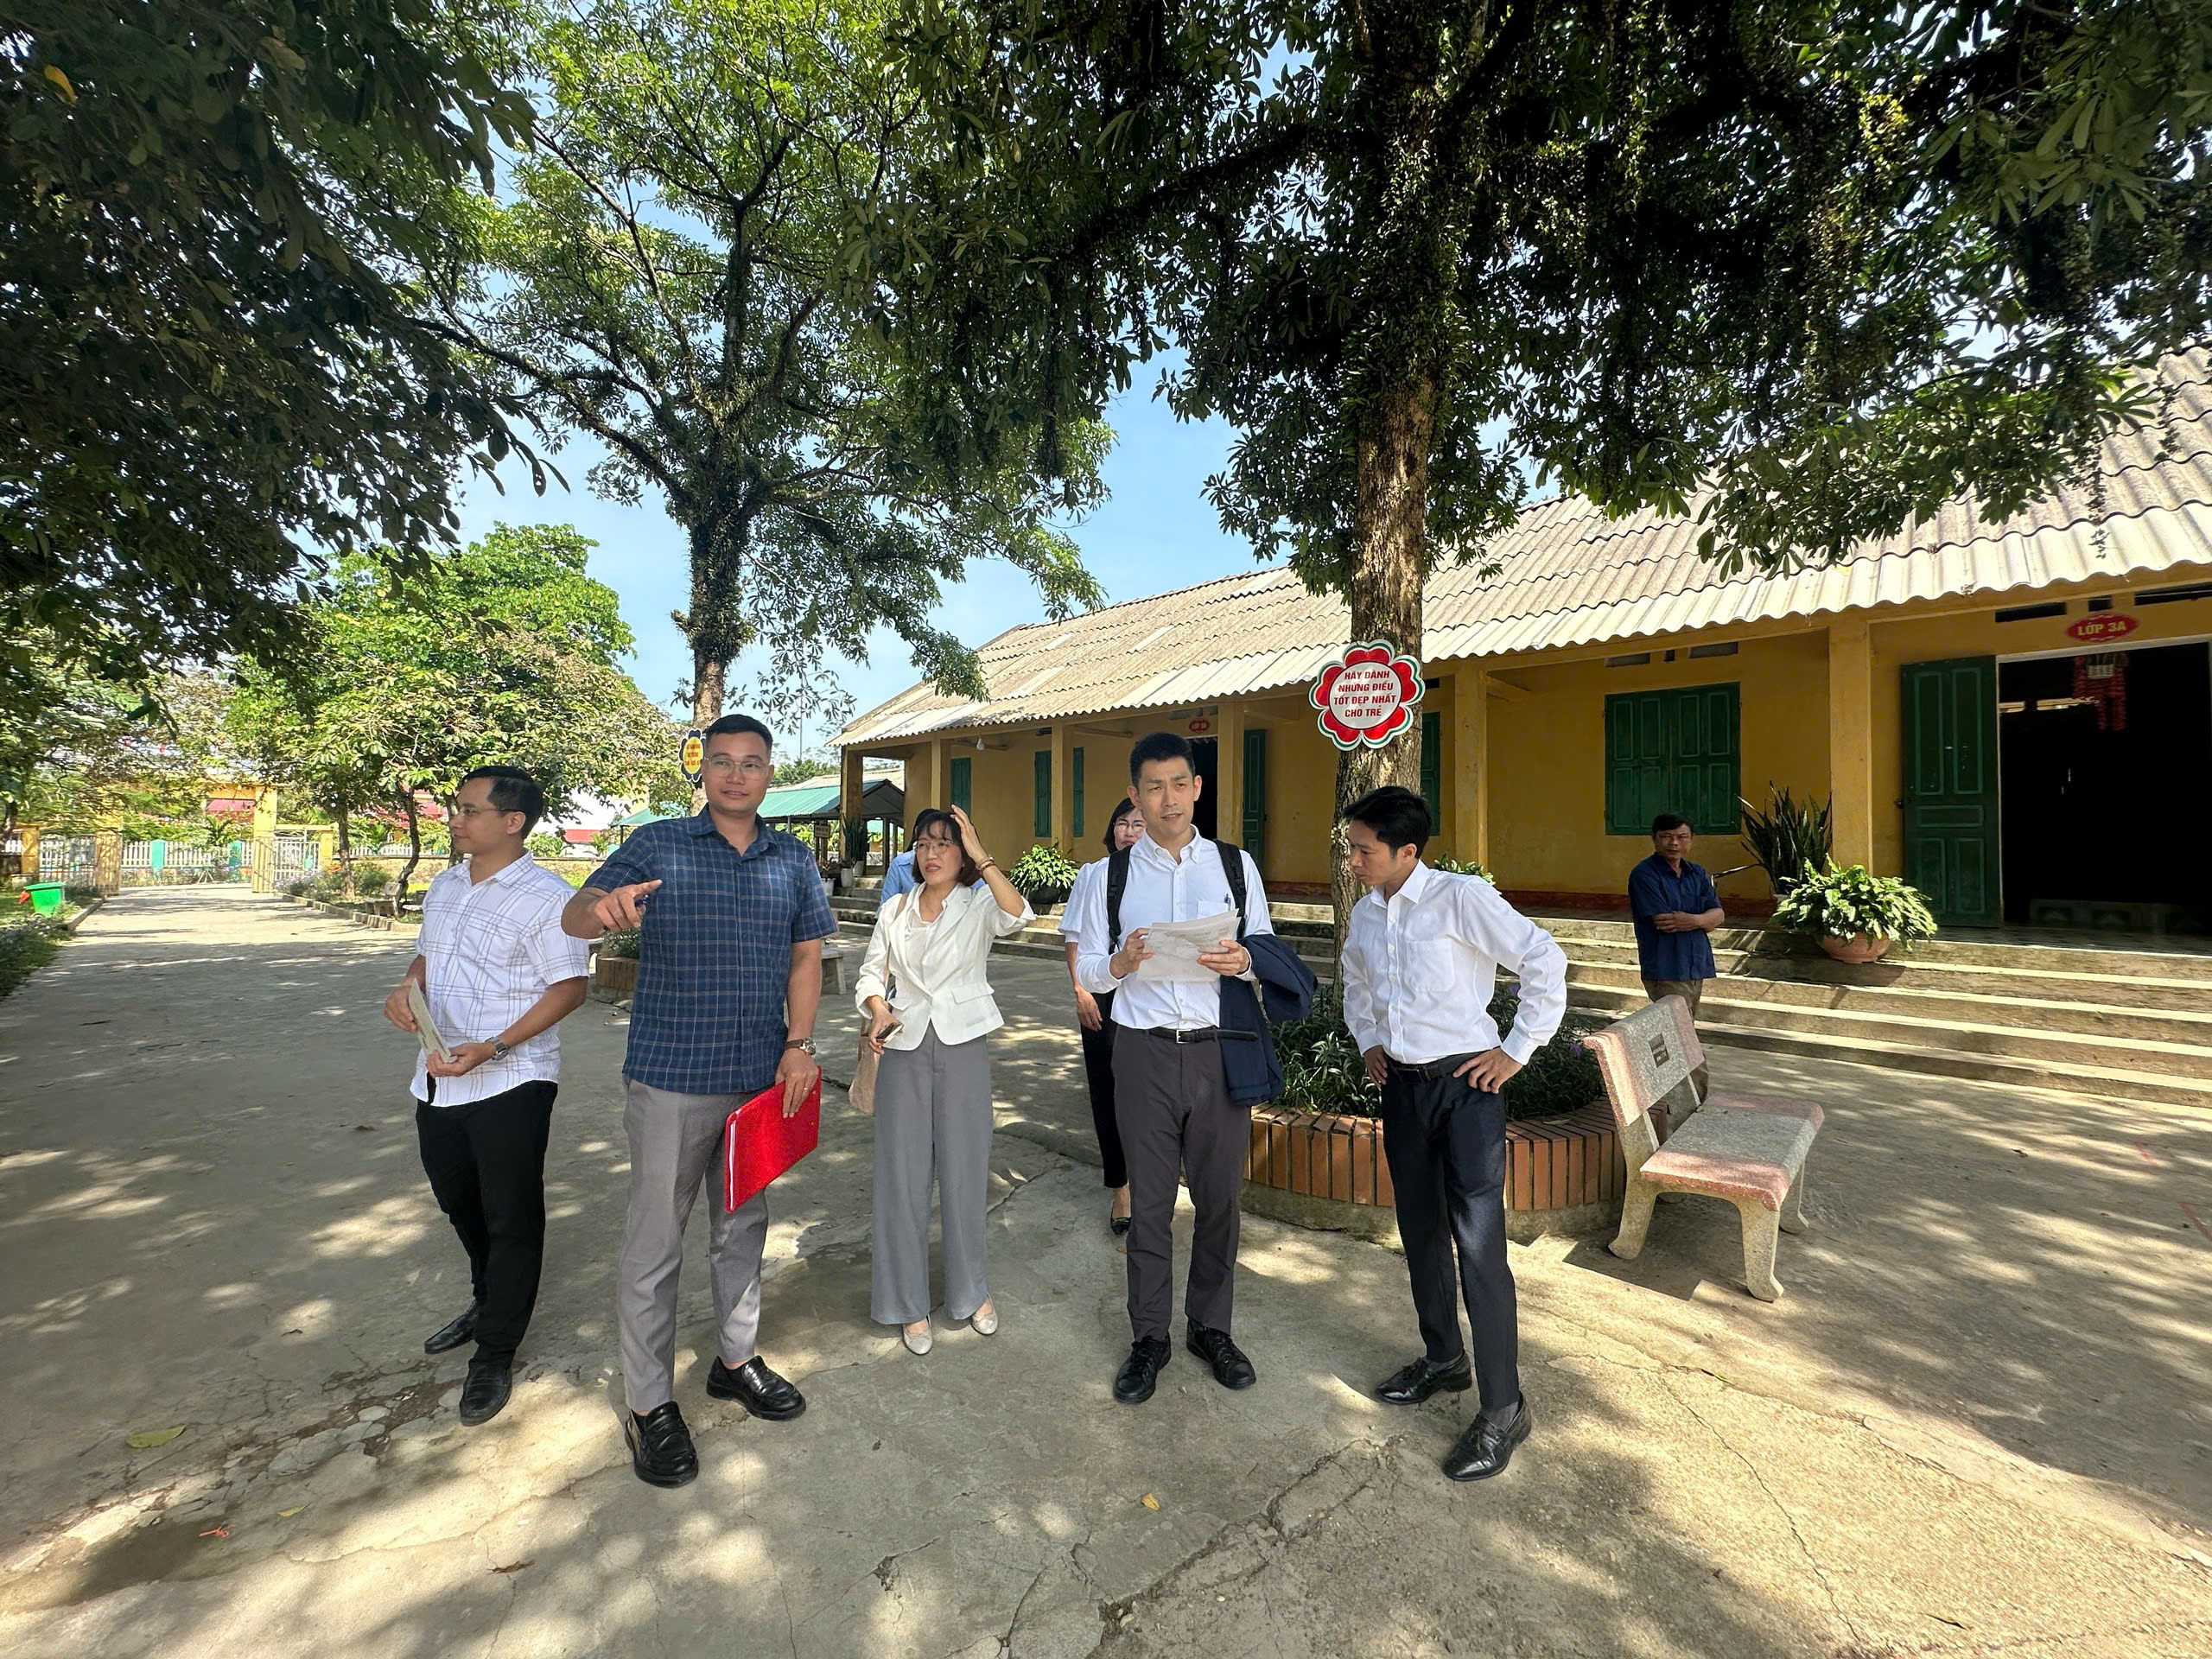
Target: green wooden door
x,y
1949,741
962,772
1255,796
1044,794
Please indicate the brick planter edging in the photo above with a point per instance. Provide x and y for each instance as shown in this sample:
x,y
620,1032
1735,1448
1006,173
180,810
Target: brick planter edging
x,y
613,977
1563,1175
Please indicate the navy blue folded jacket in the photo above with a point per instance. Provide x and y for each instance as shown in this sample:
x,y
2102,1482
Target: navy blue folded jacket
x,y
1286,985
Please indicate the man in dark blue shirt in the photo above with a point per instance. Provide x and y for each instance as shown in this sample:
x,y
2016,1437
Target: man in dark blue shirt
x,y
1677,908
729,976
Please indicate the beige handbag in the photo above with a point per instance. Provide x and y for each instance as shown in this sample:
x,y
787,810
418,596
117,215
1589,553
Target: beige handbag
x,y
862,1093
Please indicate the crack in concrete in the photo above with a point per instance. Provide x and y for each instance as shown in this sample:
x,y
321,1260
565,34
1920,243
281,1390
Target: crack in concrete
x,y
1005,1642
1827,1584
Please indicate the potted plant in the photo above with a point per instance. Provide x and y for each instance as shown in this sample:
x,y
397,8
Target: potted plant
x,y
1043,875
1790,837
1855,914
855,862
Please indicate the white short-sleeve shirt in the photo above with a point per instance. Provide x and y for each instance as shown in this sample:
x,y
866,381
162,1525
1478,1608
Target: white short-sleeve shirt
x,y
490,950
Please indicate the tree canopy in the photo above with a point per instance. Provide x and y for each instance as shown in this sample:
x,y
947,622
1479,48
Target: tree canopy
x,y
1808,267
209,383
669,277
505,652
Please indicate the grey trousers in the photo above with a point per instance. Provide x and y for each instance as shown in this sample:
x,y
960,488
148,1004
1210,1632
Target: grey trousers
x,y
932,1121
1176,1117
676,1143
1692,991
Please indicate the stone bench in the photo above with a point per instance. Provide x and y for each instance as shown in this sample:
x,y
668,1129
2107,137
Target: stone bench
x,y
1748,1149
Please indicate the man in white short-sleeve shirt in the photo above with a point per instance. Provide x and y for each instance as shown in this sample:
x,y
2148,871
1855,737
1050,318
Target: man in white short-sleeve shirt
x,y
498,974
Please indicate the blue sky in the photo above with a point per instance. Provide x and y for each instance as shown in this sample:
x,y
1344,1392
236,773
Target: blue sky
x,y
1156,531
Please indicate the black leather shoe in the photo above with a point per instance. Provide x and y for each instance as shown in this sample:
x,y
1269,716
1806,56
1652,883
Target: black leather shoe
x,y
1416,1382
1231,1369
660,1446
490,1381
1140,1372
453,1335
756,1388
1486,1447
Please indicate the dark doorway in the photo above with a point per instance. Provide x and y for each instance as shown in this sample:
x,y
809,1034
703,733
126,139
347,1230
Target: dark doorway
x,y
1207,752
2108,779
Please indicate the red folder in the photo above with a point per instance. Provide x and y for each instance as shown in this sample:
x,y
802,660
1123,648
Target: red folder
x,y
759,1143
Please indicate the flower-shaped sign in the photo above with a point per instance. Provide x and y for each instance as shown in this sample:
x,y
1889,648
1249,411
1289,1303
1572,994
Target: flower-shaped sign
x,y
1366,696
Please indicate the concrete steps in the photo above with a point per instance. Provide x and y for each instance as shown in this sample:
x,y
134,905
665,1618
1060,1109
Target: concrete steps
x,y
2129,1024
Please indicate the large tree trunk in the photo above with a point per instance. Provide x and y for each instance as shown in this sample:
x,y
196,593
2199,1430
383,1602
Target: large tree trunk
x,y
1389,535
708,673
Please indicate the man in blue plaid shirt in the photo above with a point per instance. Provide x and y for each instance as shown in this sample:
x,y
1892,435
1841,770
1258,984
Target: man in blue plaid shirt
x,y
729,976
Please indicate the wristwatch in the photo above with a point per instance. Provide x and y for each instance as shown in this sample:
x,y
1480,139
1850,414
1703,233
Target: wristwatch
x,y
807,1043
499,1050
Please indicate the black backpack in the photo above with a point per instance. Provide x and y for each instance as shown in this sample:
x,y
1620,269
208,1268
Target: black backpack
x,y
1285,992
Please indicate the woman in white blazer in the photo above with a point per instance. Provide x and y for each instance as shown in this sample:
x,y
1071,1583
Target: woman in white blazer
x,y
929,1010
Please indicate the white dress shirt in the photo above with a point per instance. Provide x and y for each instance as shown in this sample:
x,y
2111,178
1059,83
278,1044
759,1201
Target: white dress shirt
x,y
1161,888
490,950
1092,874
1420,970
932,973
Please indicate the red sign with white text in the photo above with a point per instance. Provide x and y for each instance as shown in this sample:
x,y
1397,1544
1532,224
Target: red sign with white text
x,y
1366,696
2104,625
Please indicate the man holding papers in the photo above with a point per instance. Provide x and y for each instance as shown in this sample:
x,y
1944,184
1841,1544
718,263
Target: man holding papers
x,y
495,973
729,976
1171,1093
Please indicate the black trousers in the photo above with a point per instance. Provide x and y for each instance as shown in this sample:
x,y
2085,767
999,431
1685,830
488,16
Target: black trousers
x,y
487,1164
1446,1146
1098,1073
1176,1120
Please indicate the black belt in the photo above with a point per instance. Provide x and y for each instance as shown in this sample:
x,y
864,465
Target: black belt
x,y
1168,1034
1443,1068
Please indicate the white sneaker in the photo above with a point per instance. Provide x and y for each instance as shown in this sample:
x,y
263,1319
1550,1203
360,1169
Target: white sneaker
x,y
982,1323
918,1342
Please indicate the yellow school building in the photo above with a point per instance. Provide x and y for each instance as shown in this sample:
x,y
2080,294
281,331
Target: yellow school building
x,y
2016,715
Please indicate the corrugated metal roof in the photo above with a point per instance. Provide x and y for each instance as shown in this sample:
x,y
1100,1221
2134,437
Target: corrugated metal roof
x,y
1567,575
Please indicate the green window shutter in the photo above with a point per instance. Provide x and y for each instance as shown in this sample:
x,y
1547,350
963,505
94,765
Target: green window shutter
x,y
1432,767
1044,794
1256,796
1677,751
963,769
1075,830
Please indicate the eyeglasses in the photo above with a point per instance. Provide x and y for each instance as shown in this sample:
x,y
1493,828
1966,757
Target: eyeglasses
x,y
751,767
481,812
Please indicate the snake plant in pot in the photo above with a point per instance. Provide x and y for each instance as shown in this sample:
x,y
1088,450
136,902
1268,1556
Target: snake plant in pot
x,y
1855,914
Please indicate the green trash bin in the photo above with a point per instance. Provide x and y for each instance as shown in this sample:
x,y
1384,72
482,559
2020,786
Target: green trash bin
x,y
44,897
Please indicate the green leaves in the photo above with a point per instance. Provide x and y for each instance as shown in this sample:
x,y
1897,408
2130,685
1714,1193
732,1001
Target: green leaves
x,y
1844,904
205,370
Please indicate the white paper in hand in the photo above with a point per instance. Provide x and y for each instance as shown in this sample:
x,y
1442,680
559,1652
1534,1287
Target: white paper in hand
x,y
419,1006
1176,947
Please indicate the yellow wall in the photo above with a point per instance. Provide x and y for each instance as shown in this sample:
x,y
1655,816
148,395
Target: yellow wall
x,y
1546,793
1979,633
1547,753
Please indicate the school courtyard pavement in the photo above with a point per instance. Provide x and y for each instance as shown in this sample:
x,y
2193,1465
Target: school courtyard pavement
x,y
1981,1422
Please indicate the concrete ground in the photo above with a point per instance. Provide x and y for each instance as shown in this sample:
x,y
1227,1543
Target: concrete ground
x,y
1978,1423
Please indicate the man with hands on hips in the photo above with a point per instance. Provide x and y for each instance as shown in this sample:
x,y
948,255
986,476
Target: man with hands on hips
x,y
498,974
729,978
1421,963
